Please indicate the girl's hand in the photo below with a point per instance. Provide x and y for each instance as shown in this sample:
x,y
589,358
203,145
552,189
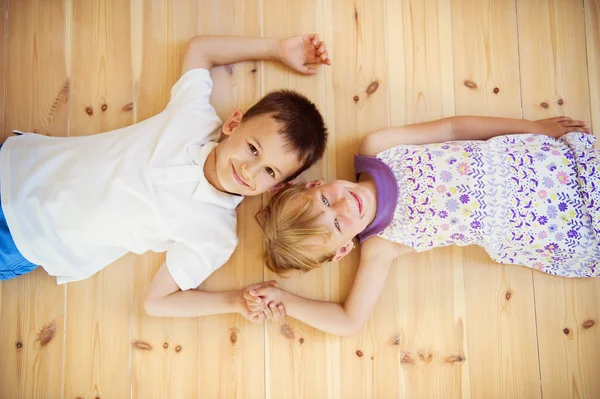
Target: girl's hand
x,y
556,127
298,51
253,300
275,312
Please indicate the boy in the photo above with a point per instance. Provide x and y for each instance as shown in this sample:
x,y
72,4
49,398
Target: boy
x,y
75,205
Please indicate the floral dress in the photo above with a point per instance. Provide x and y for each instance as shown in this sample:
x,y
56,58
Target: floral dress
x,y
526,199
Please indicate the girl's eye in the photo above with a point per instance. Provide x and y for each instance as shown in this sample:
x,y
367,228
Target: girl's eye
x,y
337,225
253,149
324,200
270,171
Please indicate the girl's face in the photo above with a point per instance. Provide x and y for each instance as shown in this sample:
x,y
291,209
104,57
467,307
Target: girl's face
x,y
346,209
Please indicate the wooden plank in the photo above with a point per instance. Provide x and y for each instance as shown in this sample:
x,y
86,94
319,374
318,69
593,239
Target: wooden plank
x,y
2,92
296,356
98,351
357,103
551,40
499,298
431,343
237,343
592,39
37,88
161,30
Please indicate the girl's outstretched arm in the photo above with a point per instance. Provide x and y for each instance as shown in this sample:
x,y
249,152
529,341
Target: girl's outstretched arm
x,y
340,319
465,128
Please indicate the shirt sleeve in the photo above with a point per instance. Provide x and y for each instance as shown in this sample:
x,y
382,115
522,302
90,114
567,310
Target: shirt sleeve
x,y
192,90
190,266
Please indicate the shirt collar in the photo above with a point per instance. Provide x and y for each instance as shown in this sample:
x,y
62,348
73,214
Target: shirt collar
x,y
206,192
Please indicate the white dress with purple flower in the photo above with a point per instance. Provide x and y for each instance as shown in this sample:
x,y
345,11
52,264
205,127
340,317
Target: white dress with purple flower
x,y
527,199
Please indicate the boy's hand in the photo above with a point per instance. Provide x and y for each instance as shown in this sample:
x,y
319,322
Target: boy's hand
x,y
275,312
297,51
258,296
556,127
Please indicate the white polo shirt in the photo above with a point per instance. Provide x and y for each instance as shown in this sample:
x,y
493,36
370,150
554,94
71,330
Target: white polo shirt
x,y
74,205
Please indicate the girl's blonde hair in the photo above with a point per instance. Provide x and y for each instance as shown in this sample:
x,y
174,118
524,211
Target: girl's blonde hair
x,y
288,222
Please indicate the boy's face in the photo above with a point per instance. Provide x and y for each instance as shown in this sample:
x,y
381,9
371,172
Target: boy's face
x,y
253,158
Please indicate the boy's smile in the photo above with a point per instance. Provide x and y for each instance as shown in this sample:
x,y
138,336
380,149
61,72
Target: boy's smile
x,y
252,158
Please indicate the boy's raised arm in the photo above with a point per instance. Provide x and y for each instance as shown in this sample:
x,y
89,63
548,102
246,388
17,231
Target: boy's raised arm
x,y
165,299
297,52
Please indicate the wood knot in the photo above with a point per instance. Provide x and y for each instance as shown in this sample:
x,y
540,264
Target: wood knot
x,y
141,345
544,105
233,337
287,331
496,90
229,69
89,111
508,295
359,353
372,88
560,101
356,98
396,341
104,107
97,397
254,70
566,331
406,359
588,324
454,359
470,84
178,348
127,107
166,345
301,340
45,335
426,357
372,357
19,344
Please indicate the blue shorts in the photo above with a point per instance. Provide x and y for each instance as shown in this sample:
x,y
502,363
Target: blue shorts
x,y
12,263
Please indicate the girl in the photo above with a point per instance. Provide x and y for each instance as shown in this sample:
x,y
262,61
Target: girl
x,y
528,199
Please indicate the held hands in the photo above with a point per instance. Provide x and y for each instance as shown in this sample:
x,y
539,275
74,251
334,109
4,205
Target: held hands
x,y
298,51
264,301
556,127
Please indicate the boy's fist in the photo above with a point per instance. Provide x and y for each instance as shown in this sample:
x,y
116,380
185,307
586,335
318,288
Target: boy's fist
x,y
298,51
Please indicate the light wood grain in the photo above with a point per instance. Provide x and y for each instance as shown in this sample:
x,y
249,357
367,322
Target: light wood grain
x,y
444,326
551,43
32,327
238,342
99,320
433,329
499,298
296,364
161,30
592,39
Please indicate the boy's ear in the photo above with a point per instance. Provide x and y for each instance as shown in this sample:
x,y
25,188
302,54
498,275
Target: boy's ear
x,y
314,183
232,122
343,251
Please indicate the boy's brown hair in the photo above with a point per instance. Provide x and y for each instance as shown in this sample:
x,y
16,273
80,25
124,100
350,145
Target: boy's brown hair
x,y
301,124
287,223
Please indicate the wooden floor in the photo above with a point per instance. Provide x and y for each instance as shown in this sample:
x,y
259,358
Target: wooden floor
x,y
451,323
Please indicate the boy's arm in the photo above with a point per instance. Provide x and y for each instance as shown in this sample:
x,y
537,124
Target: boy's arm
x,y
165,299
296,52
465,128
348,318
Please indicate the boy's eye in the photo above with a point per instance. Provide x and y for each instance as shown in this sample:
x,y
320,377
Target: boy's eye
x,y
253,149
337,225
270,171
324,200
